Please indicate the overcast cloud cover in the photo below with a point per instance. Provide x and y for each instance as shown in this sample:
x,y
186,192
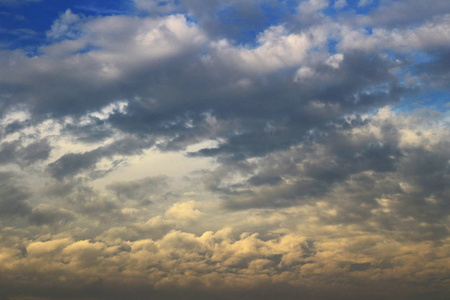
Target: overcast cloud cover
x,y
195,149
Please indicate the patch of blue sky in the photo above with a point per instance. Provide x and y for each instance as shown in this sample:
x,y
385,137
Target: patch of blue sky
x,y
411,62
369,30
277,12
421,57
244,28
331,45
38,17
87,49
236,28
333,9
289,5
437,100
105,8
11,39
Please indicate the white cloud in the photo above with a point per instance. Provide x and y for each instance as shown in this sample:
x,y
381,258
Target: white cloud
x,y
184,211
277,49
363,3
312,6
339,4
335,60
64,26
303,72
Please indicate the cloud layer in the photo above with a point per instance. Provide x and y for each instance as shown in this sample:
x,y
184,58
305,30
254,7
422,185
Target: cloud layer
x,y
216,149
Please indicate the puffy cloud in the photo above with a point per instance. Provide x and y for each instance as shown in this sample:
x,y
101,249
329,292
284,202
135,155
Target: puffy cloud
x,y
352,167
431,35
277,50
62,26
183,211
218,261
171,154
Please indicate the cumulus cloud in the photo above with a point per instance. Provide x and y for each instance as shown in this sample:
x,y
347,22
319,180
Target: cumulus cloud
x,y
225,149
219,261
183,211
62,27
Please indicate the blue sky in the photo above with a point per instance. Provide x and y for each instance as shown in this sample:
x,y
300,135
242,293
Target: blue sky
x,y
25,24
39,16
226,149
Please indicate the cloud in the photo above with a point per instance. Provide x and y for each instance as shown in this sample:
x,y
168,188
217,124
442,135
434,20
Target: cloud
x,y
183,211
339,4
433,34
223,149
223,19
363,3
402,13
140,190
277,50
182,259
61,28
353,165
312,6
45,214
72,163
13,201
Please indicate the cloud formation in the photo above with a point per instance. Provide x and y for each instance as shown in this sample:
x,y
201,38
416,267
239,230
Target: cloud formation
x,y
223,149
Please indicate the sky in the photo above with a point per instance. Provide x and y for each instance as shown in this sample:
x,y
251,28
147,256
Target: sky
x,y
230,150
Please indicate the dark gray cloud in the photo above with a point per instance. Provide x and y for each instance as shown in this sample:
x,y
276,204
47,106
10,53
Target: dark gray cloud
x,y
15,126
72,163
16,152
48,215
8,152
36,151
13,198
140,190
94,132
352,169
327,157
